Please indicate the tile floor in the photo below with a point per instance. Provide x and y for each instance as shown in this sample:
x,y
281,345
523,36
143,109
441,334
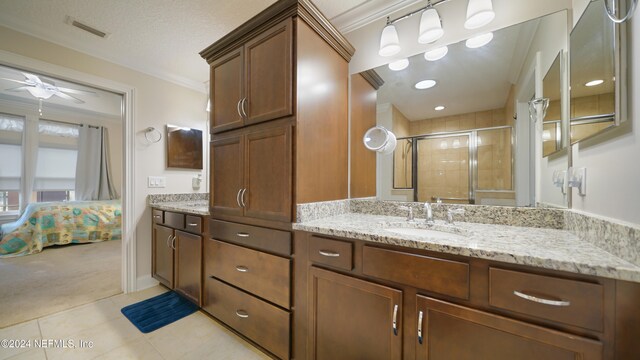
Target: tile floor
x,y
194,337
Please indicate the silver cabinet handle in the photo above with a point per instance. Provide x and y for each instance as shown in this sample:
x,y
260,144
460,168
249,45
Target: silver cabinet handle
x,y
238,198
242,269
242,234
168,239
541,300
238,108
395,320
173,242
192,224
242,107
156,216
241,313
242,197
420,315
328,253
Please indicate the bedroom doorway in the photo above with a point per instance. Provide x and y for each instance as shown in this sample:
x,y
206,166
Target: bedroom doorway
x,y
56,112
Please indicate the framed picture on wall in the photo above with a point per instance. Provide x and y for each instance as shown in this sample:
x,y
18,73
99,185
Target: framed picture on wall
x,y
184,147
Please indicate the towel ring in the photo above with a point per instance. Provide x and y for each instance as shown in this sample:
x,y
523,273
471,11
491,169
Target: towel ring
x,y
152,135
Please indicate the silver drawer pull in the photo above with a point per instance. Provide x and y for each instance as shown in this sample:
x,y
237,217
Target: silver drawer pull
x,y
241,313
192,224
156,216
328,253
395,320
420,315
541,300
242,234
242,268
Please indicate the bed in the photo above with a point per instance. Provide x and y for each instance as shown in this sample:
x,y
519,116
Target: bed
x,y
59,223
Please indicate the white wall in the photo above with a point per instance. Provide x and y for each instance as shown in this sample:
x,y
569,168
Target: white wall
x,y
156,103
611,159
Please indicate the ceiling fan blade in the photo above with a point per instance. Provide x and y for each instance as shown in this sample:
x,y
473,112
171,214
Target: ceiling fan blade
x,y
69,97
78,92
16,81
32,77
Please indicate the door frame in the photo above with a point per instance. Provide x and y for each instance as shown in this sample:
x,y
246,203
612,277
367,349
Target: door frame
x,y
128,264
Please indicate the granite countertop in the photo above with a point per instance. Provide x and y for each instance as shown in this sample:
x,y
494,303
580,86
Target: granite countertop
x,y
539,247
187,207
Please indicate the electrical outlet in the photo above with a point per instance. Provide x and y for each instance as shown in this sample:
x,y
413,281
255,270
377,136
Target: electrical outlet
x,y
156,181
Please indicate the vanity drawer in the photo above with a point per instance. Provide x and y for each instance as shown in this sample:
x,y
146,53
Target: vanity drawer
x,y
267,276
193,224
261,322
570,302
334,253
432,274
275,241
157,216
174,220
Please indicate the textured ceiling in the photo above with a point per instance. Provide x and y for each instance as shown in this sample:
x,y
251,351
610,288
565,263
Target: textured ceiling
x,y
158,37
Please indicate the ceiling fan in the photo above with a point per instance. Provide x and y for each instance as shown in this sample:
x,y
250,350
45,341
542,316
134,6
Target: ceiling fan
x,y
45,89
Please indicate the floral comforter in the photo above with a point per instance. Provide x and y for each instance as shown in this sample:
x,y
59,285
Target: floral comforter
x,y
59,223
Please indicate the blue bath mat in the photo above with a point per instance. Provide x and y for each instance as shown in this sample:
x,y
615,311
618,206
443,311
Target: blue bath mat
x,y
158,311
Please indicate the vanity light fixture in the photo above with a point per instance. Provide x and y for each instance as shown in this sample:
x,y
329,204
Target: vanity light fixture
x,y
594,82
436,54
479,13
479,40
399,64
438,108
425,84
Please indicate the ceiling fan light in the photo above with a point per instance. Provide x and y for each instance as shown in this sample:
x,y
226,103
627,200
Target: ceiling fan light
x,y
389,43
40,92
430,27
479,13
479,40
436,54
399,64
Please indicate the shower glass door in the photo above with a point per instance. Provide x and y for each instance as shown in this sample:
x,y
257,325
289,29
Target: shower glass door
x,y
444,168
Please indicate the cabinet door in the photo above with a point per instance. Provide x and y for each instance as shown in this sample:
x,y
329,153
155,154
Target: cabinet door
x,y
353,319
268,59
454,332
227,91
226,175
162,262
188,265
268,174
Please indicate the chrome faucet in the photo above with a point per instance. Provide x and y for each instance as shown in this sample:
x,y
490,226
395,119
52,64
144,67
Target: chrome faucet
x,y
409,214
451,212
428,213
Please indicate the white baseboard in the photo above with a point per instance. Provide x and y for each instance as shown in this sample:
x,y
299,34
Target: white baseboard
x,y
145,282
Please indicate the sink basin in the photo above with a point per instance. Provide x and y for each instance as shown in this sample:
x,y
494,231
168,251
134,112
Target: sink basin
x,y
440,233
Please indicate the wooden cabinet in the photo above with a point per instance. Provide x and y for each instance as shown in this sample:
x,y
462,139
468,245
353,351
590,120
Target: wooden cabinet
x,y
177,252
449,331
352,318
162,262
188,265
252,172
253,83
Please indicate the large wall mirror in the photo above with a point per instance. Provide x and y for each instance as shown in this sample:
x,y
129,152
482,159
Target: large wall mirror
x,y
595,66
457,138
552,139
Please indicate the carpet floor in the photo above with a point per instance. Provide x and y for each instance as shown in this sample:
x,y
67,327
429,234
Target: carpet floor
x,y
58,278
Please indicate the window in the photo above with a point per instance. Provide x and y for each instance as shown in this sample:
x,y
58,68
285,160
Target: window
x,y
56,165
11,128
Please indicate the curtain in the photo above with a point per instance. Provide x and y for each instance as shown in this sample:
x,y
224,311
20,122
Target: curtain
x,y
93,170
30,159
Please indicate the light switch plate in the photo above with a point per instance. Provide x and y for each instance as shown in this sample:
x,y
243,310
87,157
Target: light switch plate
x,y
157,182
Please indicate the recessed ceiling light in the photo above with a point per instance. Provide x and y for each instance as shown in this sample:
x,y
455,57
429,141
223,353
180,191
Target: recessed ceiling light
x,y
594,82
479,40
425,84
436,54
399,64
438,108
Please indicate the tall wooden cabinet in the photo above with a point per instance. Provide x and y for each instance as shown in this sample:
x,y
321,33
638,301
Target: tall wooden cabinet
x,y
279,124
